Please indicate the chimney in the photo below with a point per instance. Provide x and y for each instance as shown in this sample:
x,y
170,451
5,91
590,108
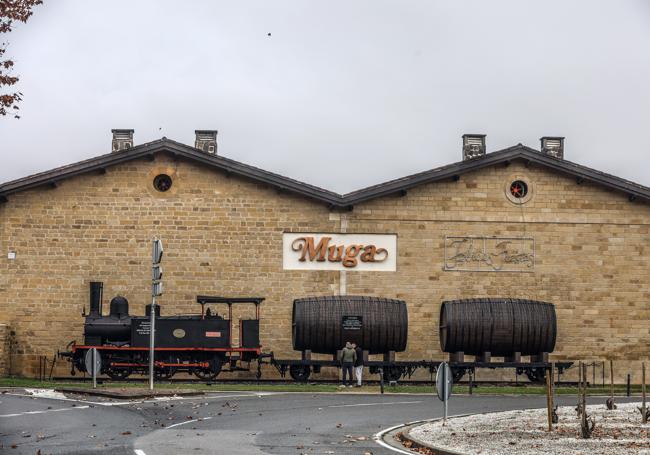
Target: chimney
x,y
206,141
473,146
553,146
96,291
122,140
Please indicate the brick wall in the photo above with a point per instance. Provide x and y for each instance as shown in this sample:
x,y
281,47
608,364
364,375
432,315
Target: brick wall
x,y
222,236
592,259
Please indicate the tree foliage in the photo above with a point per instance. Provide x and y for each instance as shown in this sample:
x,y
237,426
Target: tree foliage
x,y
11,11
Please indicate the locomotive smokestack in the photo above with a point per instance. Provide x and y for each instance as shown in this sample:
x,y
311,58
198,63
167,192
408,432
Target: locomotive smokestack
x,y
96,291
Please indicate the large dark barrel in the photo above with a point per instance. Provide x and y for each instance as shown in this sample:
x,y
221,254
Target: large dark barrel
x,y
497,325
325,324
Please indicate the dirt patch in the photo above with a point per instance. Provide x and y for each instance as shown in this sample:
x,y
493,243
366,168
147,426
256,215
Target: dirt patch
x,y
525,432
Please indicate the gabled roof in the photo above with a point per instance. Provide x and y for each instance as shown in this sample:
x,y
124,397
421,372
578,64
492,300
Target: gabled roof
x,y
334,200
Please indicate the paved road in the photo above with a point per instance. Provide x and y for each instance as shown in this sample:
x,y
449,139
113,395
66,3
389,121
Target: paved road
x,y
224,423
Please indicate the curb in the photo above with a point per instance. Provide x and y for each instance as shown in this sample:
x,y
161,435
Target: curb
x,y
390,437
406,435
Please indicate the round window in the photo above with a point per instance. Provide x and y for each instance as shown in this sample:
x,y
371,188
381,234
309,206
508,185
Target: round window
x,y
162,182
519,189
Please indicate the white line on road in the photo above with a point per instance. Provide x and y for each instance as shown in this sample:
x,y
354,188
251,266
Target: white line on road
x,y
44,411
379,439
372,404
186,422
139,452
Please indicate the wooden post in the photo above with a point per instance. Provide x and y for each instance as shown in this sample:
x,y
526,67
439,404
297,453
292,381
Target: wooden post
x,y
549,400
554,416
610,400
583,398
611,379
579,387
644,409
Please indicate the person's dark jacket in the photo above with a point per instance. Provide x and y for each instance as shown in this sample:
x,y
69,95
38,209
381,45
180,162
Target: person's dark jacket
x,y
359,361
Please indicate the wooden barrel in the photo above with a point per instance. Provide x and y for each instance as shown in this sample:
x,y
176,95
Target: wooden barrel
x,y
324,324
499,326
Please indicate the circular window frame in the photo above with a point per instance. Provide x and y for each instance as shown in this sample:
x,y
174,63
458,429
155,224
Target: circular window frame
x,y
163,179
156,171
526,181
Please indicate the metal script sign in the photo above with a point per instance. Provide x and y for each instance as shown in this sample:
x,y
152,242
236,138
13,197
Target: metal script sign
x,y
352,323
360,252
490,254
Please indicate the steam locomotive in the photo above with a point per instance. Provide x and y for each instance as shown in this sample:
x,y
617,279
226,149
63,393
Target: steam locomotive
x,y
198,344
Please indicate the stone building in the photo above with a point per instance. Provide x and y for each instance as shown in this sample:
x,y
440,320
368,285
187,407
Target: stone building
x,y
513,223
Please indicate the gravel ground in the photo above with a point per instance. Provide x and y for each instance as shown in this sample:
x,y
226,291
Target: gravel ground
x,y
524,432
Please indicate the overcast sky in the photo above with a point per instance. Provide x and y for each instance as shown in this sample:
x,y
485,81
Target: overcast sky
x,y
342,94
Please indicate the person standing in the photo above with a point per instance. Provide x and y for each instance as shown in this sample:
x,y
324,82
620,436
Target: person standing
x,y
358,364
348,357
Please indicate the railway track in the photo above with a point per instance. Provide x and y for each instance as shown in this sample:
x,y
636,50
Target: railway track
x,y
144,379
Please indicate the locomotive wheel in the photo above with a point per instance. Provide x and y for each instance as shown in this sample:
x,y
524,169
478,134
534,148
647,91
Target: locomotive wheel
x,y
299,373
392,374
211,373
118,374
164,373
536,374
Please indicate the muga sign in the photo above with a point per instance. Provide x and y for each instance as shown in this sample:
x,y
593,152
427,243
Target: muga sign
x,y
361,252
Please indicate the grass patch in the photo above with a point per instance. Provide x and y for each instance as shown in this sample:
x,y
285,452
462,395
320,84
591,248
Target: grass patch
x,y
524,389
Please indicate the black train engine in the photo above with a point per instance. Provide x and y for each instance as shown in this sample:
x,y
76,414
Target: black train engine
x,y
199,344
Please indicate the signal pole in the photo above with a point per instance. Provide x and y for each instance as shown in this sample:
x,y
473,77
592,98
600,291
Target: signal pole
x,y
156,290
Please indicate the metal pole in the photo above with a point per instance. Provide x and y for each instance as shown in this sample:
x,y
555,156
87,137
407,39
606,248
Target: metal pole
x,y
471,381
152,330
94,351
628,385
381,379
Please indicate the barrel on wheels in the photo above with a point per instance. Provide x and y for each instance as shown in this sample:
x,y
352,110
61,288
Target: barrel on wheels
x,y
498,327
323,325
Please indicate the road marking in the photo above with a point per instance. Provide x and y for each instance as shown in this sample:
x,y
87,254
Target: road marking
x,y
186,422
372,404
379,439
139,452
44,411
